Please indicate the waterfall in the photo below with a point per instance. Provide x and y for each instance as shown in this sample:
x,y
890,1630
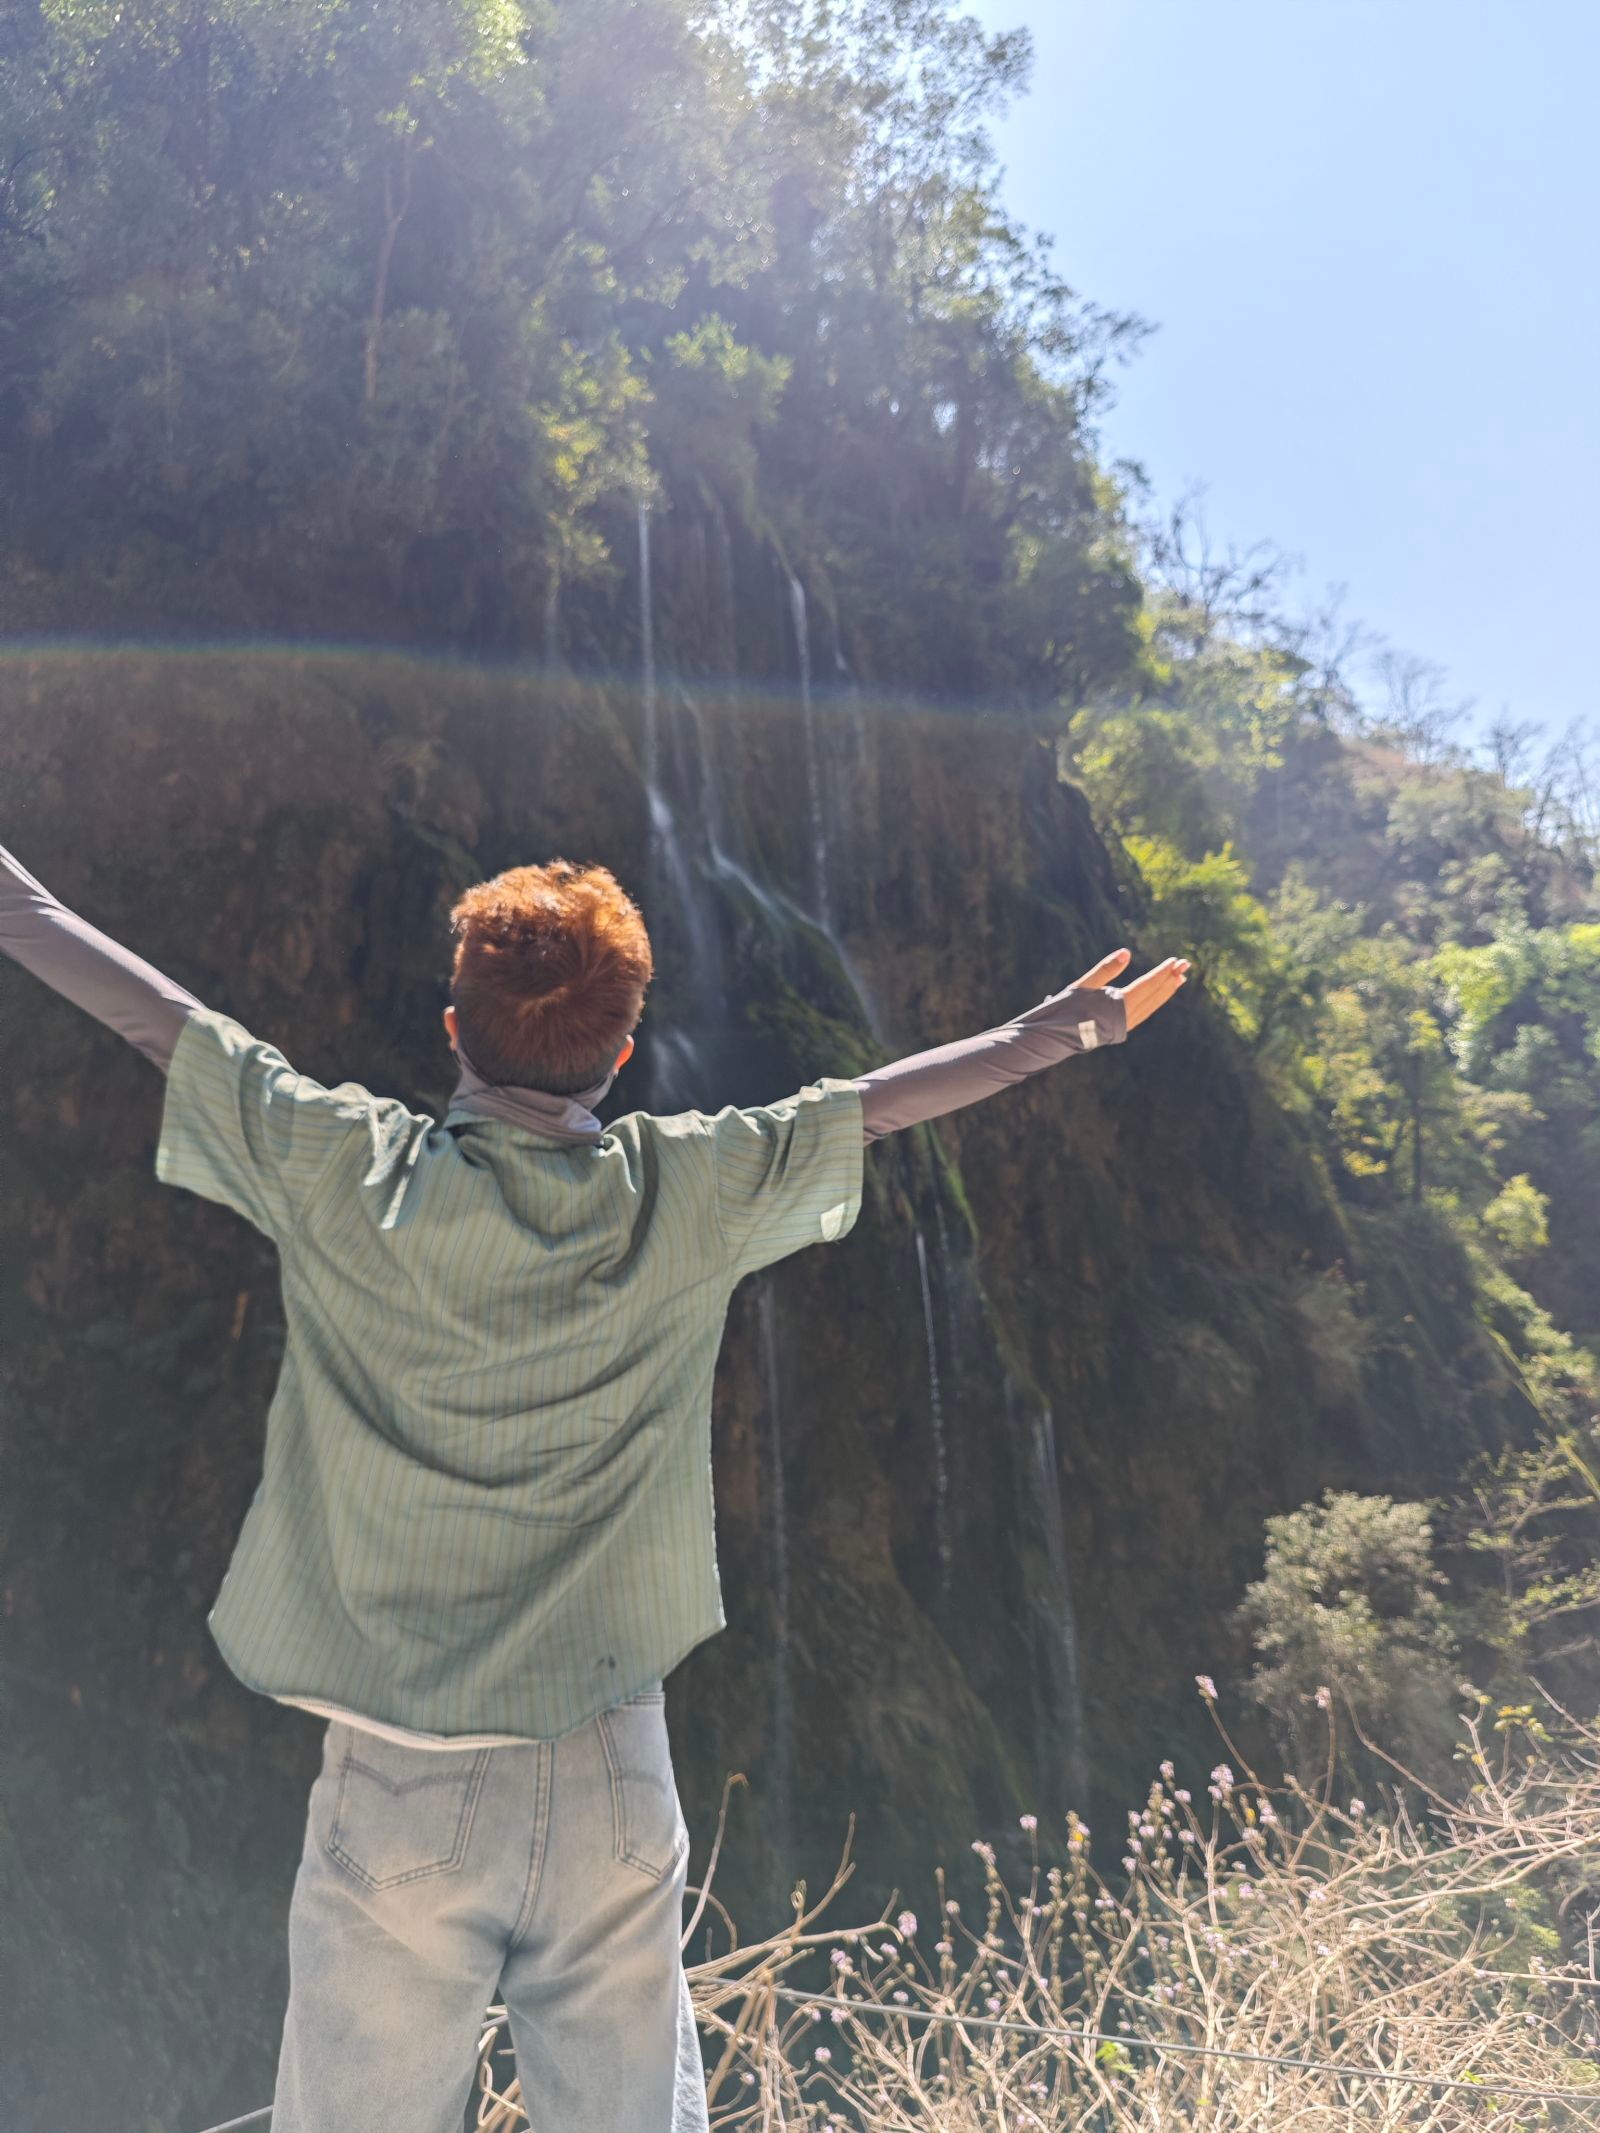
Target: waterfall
x,y
941,1476
728,617
711,808
778,1545
780,909
1061,1619
647,643
678,1054
944,1272
819,833
841,665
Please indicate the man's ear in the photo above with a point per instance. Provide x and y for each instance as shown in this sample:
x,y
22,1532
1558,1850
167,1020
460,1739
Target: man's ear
x,y
627,1050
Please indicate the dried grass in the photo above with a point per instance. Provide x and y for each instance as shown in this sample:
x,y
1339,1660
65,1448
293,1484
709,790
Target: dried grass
x,y
1446,1939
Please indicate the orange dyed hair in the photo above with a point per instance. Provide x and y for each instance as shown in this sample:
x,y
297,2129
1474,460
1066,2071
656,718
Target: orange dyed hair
x,y
549,974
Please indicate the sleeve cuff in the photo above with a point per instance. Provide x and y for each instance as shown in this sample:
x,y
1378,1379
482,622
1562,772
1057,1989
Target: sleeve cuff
x,y
1114,1022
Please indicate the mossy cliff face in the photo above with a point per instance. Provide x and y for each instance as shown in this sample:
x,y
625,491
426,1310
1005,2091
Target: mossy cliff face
x,y
1032,1411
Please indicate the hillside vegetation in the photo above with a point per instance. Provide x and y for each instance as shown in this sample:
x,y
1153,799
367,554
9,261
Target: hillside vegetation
x,y
437,434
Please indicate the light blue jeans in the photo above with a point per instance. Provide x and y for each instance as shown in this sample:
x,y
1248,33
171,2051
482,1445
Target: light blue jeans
x,y
434,1882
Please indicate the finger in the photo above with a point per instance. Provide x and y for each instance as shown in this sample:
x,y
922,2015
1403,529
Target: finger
x,y
1173,971
1107,968
1153,990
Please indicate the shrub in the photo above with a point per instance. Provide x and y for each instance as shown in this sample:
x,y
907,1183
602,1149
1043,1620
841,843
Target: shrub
x,y
1245,1920
1350,1598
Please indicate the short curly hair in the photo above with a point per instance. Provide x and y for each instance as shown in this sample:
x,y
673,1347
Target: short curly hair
x,y
549,974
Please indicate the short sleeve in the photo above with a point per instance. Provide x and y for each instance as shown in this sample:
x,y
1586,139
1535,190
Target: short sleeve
x,y
788,1174
240,1126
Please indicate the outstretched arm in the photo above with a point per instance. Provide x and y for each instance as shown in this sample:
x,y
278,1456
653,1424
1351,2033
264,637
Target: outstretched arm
x,y
928,1084
88,967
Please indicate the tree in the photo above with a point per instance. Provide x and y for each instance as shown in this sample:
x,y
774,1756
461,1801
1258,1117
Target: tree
x,y
1350,1602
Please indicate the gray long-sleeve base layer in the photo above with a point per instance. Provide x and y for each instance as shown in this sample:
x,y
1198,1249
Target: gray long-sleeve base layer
x,y
136,1000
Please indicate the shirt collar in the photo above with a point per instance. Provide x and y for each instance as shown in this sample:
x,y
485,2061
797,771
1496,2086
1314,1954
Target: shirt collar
x,y
567,1118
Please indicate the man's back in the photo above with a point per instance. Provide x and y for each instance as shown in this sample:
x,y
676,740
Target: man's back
x,y
486,1499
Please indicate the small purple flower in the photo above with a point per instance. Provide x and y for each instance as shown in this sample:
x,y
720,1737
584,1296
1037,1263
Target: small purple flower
x,y
1030,1823
906,1923
1207,1687
1324,1699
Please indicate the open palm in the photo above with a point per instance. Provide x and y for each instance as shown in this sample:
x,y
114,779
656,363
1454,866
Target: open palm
x,y
1145,994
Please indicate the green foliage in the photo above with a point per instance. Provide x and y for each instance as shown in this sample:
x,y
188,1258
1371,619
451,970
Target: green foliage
x,y
1516,1217
378,319
1350,1602
1206,903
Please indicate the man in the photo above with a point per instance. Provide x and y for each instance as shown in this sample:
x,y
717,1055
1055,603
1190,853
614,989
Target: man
x,y
484,1532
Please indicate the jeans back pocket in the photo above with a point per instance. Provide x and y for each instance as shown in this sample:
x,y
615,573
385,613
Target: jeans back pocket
x,y
648,1826
402,1813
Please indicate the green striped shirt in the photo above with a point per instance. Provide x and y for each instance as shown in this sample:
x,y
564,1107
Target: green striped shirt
x,y
486,1502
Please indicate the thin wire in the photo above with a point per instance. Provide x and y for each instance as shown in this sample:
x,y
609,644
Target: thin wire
x,y
1570,2097
1202,2051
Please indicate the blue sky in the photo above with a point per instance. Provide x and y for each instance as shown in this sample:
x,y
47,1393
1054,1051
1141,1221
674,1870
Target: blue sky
x,y
1367,234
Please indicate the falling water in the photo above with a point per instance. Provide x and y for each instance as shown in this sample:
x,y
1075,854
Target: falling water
x,y
712,813
679,1053
841,665
946,1281
819,834
782,910
778,1542
728,615
941,1477
647,643
1062,1621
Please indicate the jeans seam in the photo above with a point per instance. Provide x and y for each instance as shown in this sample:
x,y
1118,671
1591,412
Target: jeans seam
x,y
544,1784
619,1814
618,1808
